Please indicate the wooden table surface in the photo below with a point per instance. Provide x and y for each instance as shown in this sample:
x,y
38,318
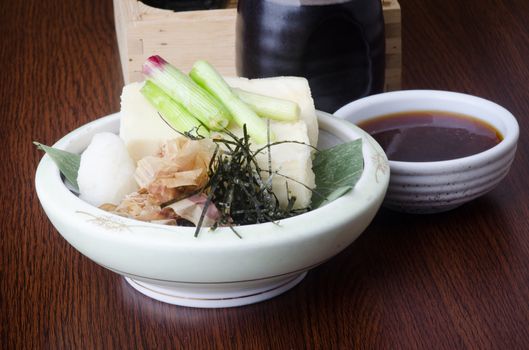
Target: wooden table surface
x,y
447,281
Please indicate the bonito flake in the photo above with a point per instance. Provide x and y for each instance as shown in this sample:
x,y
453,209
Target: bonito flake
x,y
142,206
180,169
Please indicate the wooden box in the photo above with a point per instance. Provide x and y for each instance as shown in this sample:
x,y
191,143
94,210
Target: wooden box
x,y
184,37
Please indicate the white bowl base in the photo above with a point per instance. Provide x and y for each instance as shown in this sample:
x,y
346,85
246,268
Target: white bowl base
x,y
177,296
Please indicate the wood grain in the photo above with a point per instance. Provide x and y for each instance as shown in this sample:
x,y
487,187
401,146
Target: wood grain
x,y
448,281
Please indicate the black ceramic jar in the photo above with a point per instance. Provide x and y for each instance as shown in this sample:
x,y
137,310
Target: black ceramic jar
x,y
337,45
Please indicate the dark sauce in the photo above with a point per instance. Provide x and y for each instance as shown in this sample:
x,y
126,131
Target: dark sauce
x,y
428,136
337,45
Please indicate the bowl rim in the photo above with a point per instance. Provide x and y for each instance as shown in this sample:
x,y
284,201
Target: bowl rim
x,y
510,136
61,204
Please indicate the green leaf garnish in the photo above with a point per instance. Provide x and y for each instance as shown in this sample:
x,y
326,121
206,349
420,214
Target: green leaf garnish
x,y
337,170
68,163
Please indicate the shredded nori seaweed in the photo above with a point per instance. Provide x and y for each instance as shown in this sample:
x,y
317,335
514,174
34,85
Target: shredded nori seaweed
x,y
237,188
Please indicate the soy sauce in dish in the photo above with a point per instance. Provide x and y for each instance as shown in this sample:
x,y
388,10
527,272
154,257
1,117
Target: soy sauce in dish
x,y
428,136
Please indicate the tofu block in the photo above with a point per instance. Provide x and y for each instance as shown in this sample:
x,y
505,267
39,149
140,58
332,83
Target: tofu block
x,y
143,132
289,88
141,128
291,162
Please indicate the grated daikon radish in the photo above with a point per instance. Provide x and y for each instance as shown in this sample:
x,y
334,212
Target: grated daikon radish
x,y
106,173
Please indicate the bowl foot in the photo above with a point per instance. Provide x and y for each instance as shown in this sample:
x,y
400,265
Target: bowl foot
x,y
215,299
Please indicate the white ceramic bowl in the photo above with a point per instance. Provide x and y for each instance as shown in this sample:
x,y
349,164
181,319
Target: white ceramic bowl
x,y
429,187
217,269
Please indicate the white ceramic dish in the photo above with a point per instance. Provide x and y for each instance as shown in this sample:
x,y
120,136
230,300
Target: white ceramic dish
x,y
429,187
217,269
